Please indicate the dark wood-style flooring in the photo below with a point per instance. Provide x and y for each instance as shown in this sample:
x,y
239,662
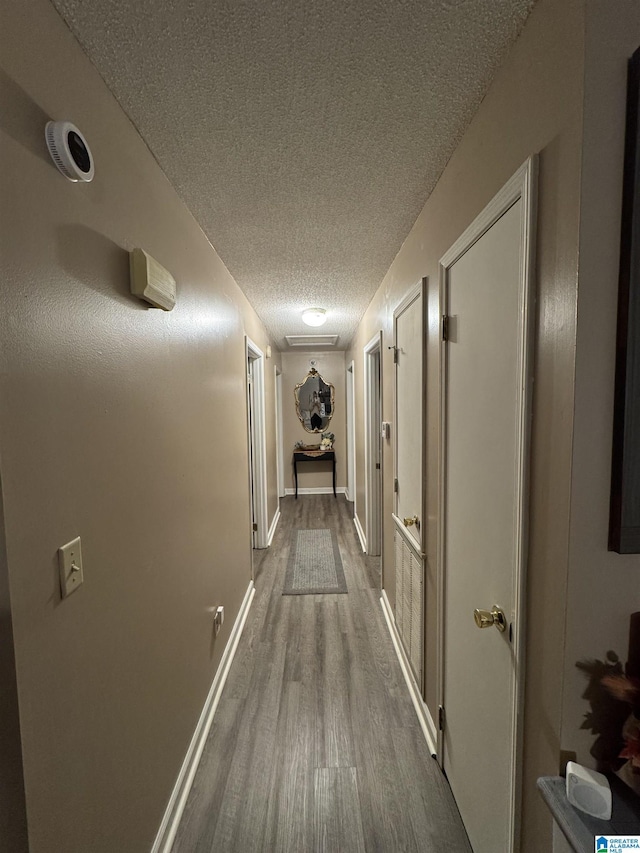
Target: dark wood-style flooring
x,y
315,745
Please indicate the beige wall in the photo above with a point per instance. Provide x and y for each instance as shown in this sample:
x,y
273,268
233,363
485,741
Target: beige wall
x,y
13,816
604,587
533,105
332,368
124,425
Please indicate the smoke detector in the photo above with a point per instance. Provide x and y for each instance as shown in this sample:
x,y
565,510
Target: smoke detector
x,y
69,151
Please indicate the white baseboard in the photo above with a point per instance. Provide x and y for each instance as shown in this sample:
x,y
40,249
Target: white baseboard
x,y
171,820
272,529
360,532
319,490
422,712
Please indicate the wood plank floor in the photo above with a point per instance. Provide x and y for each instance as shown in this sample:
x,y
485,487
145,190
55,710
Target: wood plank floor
x,y
315,745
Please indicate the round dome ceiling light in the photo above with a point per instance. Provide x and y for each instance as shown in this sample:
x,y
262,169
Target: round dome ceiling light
x,y
314,316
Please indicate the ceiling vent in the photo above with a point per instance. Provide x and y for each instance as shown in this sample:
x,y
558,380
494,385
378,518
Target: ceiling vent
x,y
312,340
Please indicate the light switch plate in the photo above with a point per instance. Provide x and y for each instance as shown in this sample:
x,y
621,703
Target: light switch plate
x,y
70,565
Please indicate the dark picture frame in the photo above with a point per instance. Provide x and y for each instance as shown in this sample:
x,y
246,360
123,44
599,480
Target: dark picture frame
x,y
624,517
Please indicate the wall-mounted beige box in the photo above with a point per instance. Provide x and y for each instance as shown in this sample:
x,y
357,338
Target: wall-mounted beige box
x,y
151,281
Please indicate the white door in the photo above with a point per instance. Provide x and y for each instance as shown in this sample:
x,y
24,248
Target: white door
x,y
373,452
409,478
409,404
485,401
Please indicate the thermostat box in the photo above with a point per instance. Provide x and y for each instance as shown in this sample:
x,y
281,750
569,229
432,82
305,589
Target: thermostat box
x,y
151,281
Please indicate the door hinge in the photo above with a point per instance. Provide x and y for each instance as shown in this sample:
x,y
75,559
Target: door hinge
x,y
254,527
445,327
441,718
395,485
377,466
395,354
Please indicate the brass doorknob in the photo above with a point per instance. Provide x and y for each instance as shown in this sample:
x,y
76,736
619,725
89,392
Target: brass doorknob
x,y
487,618
410,521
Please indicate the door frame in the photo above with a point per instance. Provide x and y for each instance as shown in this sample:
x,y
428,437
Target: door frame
x,y
523,185
279,435
372,498
258,440
351,432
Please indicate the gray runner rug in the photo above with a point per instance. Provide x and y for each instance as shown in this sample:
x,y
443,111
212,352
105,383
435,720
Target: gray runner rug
x,y
314,565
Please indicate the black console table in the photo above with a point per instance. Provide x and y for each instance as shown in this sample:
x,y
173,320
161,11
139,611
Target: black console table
x,y
314,456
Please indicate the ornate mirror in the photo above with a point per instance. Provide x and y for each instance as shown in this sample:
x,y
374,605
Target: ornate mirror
x,y
314,402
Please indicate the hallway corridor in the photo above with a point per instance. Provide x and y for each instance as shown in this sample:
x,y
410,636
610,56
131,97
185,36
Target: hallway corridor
x,y
315,745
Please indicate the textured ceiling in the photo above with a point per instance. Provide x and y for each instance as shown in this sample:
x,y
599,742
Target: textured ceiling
x,y
304,135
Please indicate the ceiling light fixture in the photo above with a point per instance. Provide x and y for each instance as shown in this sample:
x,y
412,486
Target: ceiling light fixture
x,y
314,316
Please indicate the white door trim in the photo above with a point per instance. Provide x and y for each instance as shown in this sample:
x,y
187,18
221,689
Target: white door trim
x,y
259,442
372,500
178,799
351,433
523,185
416,291
425,719
279,436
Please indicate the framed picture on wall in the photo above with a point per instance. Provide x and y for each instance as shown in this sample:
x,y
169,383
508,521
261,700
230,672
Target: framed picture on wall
x,y
624,518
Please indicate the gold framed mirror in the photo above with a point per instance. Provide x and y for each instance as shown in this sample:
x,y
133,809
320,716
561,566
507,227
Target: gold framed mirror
x,y
314,402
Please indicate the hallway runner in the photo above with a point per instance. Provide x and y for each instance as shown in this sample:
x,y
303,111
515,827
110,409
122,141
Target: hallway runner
x,y
314,565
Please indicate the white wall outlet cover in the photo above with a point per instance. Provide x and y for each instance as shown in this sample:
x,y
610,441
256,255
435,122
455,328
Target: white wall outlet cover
x,y
70,567
588,791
